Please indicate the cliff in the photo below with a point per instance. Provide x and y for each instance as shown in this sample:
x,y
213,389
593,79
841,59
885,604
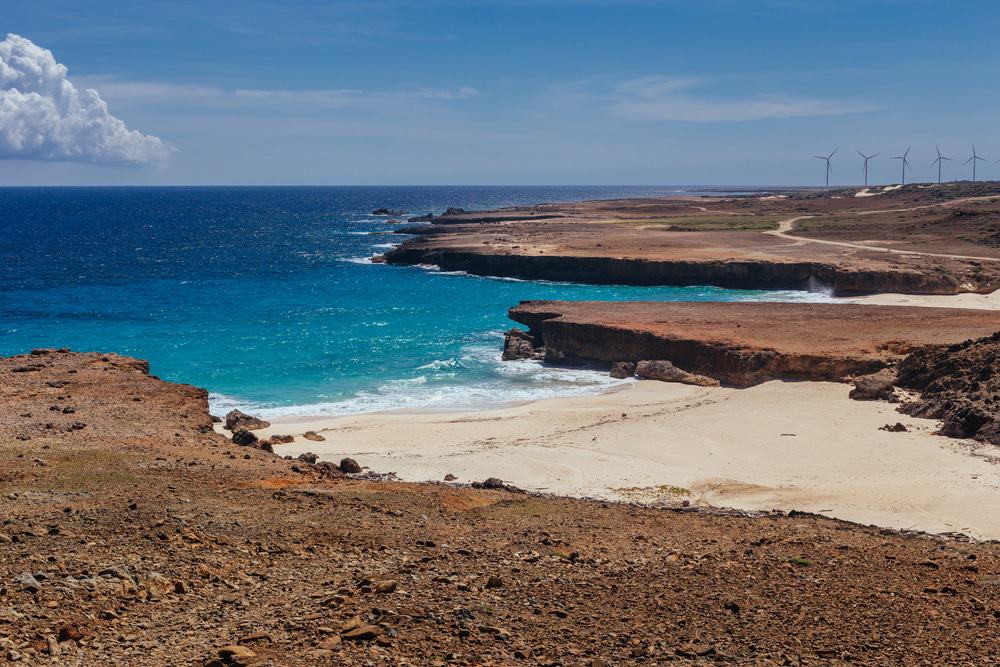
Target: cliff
x,y
742,344
840,280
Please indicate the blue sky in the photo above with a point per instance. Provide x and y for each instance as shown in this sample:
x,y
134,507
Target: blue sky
x,y
520,92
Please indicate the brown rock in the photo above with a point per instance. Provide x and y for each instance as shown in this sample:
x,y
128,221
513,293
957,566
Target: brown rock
x,y
314,436
518,344
243,437
363,633
623,369
387,586
664,371
237,419
349,466
874,387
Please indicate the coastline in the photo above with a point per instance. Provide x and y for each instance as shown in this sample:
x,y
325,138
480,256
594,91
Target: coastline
x,y
665,443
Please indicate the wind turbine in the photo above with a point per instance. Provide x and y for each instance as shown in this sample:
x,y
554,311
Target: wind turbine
x,y
905,163
975,158
939,161
866,158
828,167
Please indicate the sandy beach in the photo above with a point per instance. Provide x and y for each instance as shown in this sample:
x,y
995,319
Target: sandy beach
x,y
990,301
779,445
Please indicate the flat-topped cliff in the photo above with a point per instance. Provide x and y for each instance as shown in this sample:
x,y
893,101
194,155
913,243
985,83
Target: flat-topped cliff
x,y
743,344
915,240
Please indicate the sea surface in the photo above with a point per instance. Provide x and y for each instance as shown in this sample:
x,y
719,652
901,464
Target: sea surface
x,y
267,297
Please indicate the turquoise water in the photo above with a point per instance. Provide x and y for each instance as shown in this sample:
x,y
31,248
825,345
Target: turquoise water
x,y
265,296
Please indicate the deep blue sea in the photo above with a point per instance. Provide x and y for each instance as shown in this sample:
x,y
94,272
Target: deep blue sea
x,y
265,296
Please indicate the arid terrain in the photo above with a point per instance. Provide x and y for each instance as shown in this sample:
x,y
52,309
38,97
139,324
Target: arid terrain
x,y
918,239
743,344
133,534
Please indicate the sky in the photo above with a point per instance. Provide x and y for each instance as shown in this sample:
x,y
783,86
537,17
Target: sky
x,y
411,92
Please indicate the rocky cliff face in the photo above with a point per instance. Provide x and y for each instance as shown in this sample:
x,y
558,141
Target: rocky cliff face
x,y
743,344
736,274
599,344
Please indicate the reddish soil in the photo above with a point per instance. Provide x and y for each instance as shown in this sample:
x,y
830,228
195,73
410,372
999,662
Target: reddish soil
x,y
132,535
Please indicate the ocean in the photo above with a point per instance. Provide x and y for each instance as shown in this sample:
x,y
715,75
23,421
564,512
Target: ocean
x,y
266,296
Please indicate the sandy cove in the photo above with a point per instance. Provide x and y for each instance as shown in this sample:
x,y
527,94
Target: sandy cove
x,y
779,445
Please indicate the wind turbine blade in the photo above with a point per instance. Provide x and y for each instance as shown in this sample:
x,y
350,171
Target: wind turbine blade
x,y
968,161
819,157
833,153
871,156
907,151
862,155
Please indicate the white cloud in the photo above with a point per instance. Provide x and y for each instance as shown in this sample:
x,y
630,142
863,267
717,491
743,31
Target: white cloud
x,y
662,98
43,116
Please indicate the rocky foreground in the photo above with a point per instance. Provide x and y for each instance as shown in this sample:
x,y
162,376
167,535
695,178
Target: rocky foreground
x,y
133,534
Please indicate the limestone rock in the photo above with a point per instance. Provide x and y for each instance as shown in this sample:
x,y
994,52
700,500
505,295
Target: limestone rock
x,y
664,371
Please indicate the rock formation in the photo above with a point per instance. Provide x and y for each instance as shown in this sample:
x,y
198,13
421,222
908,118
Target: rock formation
x,y
664,371
236,419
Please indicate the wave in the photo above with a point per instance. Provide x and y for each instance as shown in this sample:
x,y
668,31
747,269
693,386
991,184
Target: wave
x,y
356,260
473,379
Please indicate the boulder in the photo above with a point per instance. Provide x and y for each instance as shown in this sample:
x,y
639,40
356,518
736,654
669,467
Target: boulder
x,y
242,436
387,211
349,466
314,436
308,457
281,439
237,419
453,210
664,371
875,387
623,369
518,344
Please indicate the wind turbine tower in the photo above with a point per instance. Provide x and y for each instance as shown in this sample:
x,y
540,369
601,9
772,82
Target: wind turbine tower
x,y
905,163
939,161
828,167
974,159
866,158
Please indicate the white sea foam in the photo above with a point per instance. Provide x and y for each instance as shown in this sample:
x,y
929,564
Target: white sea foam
x,y
491,382
356,260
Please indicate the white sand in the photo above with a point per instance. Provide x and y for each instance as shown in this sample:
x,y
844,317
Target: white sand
x,y
779,445
967,300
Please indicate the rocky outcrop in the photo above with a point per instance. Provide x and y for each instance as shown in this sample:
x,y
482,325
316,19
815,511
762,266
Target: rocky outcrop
x,y
242,436
736,274
622,370
237,419
877,386
387,212
518,344
958,384
743,344
664,371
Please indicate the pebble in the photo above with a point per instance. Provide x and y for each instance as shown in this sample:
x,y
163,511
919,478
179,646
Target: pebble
x,y
363,633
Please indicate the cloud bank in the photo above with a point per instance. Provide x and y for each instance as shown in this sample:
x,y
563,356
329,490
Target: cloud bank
x,y
44,117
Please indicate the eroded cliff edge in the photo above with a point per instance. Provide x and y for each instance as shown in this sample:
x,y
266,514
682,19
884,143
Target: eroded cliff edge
x,y
743,344
914,240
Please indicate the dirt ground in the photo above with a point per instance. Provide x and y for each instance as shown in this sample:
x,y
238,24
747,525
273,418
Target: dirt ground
x,y
132,534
